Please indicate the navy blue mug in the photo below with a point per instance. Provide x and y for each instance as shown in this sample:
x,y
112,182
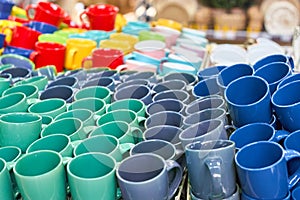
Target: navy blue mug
x,y
210,72
17,50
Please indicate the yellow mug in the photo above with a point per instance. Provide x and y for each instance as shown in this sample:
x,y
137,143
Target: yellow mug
x,y
76,50
125,37
120,22
5,26
168,23
122,45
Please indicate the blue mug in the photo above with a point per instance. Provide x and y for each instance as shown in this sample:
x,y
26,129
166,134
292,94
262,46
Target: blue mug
x,y
17,61
215,101
2,40
256,132
286,104
6,8
296,193
273,73
17,50
262,169
246,197
274,58
206,87
288,79
231,73
210,72
41,27
292,141
165,105
248,99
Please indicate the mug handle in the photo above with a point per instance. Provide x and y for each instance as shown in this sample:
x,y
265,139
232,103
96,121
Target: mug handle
x,y
28,8
280,135
70,56
34,55
125,147
81,18
214,166
174,184
87,59
294,178
137,134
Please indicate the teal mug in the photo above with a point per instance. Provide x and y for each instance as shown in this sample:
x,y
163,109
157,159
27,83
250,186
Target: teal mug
x,y
6,190
19,129
85,115
94,91
49,107
41,175
134,105
96,105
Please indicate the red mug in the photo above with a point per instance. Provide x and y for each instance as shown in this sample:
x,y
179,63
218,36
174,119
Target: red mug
x,y
102,57
23,37
46,12
100,16
49,53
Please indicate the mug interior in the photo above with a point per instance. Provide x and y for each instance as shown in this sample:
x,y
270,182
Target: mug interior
x,y
67,126
163,132
139,168
9,153
259,155
37,163
52,142
200,129
47,106
91,165
114,128
289,90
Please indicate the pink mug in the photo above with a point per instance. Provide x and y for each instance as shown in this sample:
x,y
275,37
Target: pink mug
x,y
152,48
48,12
104,57
100,16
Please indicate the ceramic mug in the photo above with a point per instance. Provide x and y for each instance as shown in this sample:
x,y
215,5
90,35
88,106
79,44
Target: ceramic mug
x,y
95,105
30,91
48,53
286,109
76,50
206,87
85,115
109,145
5,182
124,132
143,173
17,50
203,131
41,27
5,82
164,118
270,59
39,81
165,105
60,91
103,13
213,161
249,100
215,101
140,92
49,107
255,132
6,8
152,48
17,60
209,72
135,105
46,12
180,95
88,181
94,91
266,162
41,174
16,102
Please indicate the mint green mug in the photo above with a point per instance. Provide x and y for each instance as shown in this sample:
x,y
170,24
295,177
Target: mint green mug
x,y
39,81
5,82
119,129
59,143
19,129
41,175
91,103
71,127
85,115
48,107
16,102
6,190
31,91
94,91
92,175
134,105
104,144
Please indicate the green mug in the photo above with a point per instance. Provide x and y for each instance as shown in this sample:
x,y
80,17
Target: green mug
x,y
150,35
71,127
104,144
39,81
19,129
94,91
52,38
6,189
134,105
5,82
92,175
119,129
16,102
121,115
85,115
41,175
59,143
49,107
30,91
91,103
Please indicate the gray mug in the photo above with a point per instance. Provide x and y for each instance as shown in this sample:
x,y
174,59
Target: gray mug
x,y
211,168
145,176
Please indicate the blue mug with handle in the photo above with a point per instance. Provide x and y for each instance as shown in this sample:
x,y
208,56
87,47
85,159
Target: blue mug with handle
x,y
263,170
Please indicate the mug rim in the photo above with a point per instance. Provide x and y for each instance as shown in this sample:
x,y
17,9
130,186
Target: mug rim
x,y
260,168
279,90
231,144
